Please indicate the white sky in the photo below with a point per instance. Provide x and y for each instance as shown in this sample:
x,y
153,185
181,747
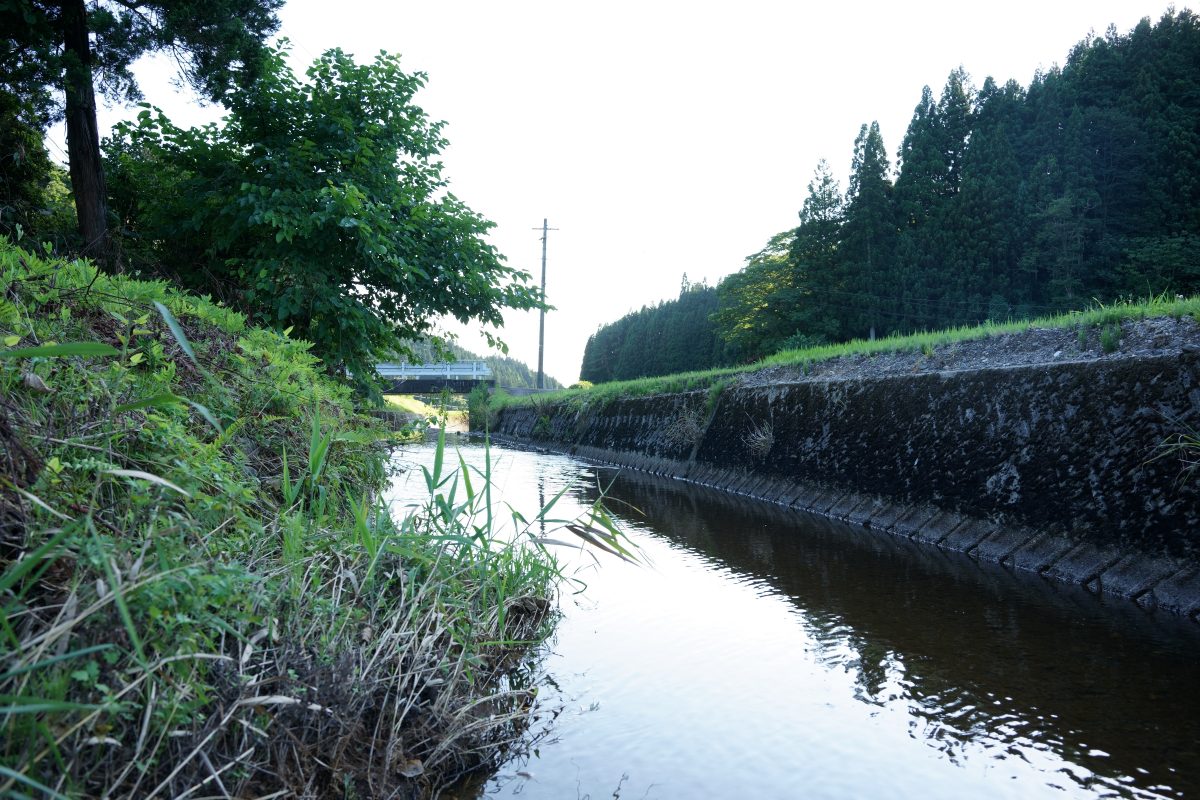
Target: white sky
x,y
662,137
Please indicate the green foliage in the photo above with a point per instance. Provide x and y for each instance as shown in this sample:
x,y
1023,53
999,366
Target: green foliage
x,y
477,408
319,206
216,42
1184,446
57,53
673,336
1007,203
24,166
1110,337
196,572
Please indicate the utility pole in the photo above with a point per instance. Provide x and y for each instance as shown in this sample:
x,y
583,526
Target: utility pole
x,y
542,314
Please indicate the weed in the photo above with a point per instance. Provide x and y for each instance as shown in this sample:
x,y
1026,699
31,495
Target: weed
x,y
715,390
685,428
202,593
1110,337
1082,337
759,440
1184,445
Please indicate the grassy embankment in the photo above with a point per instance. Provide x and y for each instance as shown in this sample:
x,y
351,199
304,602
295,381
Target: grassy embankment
x,y
203,593
1105,318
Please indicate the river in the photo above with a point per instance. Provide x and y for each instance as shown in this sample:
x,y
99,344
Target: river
x,y
763,653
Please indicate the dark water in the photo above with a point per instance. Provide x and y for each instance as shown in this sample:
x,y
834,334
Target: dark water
x,y
768,654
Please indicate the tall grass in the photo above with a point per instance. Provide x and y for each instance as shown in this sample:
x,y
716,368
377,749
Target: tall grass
x,y
203,593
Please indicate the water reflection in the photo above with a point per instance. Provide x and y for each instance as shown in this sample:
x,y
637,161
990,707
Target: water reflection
x,y
772,654
975,656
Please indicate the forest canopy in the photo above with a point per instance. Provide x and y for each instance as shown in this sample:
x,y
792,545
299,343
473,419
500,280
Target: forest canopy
x,y
1002,202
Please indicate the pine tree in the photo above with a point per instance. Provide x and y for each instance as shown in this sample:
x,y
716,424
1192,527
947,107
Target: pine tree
x,y
814,259
867,249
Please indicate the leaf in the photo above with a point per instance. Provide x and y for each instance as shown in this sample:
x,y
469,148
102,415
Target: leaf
x,y
146,476
548,540
19,778
34,383
64,349
11,341
19,704
168,399
39,502
137,358
177,332
54,660
589,535
208,415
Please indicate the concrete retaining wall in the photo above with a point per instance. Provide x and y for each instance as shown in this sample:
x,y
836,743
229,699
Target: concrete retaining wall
x,y
1049,468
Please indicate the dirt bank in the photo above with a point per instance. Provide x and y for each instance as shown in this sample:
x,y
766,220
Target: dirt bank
x,y
1143,338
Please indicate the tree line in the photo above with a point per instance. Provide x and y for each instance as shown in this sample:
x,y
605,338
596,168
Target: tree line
x,y
1003,202
673,336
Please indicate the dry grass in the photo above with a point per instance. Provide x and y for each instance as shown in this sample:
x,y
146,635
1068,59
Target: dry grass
x,y
759,440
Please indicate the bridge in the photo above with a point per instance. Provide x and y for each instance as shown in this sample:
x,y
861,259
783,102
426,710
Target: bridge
x,y
459,377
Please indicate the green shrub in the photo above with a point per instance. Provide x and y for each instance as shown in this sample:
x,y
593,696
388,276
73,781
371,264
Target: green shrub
x,y
477,408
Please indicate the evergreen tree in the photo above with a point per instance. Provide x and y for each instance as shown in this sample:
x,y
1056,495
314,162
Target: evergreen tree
x,y
868,241
814,257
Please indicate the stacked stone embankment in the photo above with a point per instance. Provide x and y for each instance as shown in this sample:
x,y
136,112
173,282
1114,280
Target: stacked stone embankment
x,y
1056,468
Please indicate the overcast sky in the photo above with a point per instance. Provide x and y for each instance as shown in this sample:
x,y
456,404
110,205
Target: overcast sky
x,y
663,138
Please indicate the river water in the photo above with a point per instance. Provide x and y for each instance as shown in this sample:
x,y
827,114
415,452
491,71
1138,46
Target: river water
x,y
761,653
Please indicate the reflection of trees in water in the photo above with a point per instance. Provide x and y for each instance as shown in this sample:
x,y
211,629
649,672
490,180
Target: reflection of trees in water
x,y
977,656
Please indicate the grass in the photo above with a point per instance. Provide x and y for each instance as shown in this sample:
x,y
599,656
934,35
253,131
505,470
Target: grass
x,y
1105,317
203,593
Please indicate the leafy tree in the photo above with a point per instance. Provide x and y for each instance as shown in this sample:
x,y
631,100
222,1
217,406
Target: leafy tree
x,y
1007,202
58,51
319,206
754,316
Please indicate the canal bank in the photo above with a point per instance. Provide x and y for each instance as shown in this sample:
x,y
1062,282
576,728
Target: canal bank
x,y
756,651
1056,467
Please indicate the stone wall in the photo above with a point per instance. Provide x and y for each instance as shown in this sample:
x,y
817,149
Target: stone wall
x,y
1052,468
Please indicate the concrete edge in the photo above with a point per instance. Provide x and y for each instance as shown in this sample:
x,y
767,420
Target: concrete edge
x,y
1153,581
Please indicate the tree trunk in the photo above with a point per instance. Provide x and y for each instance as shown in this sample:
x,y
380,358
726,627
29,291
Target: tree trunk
x,y
83,136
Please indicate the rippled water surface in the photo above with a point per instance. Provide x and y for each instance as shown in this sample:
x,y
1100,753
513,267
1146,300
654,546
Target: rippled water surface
x,y
769,654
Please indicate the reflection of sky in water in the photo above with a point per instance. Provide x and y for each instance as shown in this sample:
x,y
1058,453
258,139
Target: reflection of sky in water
x,y
762,654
